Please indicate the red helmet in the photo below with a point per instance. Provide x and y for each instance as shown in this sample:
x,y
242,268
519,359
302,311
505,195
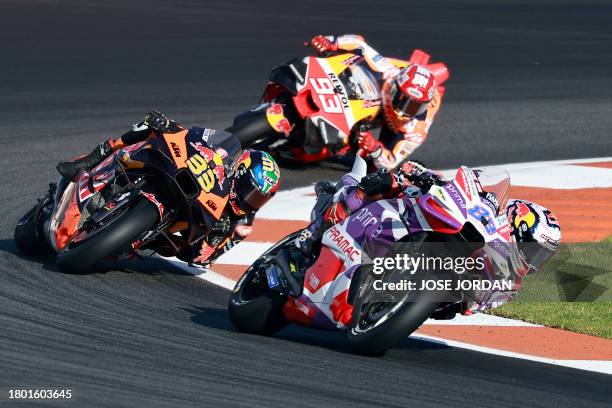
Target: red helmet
x,y
408,94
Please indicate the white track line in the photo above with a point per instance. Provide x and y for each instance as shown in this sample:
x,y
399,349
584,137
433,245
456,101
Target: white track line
x,y
600,366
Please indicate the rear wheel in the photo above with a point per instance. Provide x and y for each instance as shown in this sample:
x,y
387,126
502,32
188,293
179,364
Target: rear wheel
x,y
379,326
253,129
382,319
89,247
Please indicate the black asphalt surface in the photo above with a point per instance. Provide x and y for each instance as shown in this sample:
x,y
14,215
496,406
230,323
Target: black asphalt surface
x,y
530,81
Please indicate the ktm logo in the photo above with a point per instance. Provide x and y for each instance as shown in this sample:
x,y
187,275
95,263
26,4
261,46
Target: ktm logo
x,y
175,149
211,204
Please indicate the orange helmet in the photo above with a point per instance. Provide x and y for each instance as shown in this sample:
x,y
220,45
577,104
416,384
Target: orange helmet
x,y
408,94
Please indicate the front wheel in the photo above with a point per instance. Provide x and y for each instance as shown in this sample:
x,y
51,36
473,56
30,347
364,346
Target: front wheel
x,y
29,233
88,248
254,307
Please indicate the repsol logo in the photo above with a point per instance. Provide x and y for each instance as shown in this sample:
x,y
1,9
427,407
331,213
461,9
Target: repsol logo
x,y
340,90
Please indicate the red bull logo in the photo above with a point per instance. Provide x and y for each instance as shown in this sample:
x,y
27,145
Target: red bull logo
x,y
204,151
523,213
276,118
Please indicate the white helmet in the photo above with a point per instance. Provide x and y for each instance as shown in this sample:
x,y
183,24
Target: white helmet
x,y
536,231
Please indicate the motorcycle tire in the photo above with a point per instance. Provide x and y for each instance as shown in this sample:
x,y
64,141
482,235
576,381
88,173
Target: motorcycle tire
x,y
258,310
78,257
29,232
409,317
253,129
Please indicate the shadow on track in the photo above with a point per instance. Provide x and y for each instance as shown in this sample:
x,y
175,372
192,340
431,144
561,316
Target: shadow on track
x,y
148,266
332,340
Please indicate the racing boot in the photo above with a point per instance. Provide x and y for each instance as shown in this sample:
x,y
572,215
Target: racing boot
x,y
68,169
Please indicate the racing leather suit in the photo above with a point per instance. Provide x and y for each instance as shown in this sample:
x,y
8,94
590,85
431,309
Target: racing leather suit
x,y
412,179
398,140
208,240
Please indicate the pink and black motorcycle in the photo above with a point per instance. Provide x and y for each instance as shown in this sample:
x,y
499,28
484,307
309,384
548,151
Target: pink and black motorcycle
x,y
340,290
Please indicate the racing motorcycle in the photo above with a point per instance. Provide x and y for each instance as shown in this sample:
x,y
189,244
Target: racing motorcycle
x,y
310,106
339,292
137,198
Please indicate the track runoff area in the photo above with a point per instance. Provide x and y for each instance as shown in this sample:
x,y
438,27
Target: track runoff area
x,y
575,181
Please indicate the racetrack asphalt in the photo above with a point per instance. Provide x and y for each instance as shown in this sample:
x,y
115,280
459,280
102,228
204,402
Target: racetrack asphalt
x,y
530,81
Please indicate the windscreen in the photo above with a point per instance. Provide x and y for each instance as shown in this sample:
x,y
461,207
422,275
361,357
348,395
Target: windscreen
x,y
495,180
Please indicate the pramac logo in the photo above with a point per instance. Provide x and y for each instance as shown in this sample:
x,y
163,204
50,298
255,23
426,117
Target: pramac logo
x,y
344,244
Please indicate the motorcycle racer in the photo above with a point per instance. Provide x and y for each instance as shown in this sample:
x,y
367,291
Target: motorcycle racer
x,y
410,102
535,230
254,177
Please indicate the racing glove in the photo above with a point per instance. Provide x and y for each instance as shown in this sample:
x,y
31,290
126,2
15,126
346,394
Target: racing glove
x,y
369,145
420,176
324,44
157,121
379,182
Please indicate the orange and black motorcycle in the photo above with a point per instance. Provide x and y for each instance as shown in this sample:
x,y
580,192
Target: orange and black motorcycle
x,y
137,198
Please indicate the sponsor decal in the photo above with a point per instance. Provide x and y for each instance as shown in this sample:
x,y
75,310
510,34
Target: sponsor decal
x,y
243,230
456,195
151,198
175,150
205,252
551,219
314,281
206,166
297,74
351,60
211,204
372,103
339,87
492,198
463,182
344,244
276,118
523,214
336,213
222,152
272,276
365,218
208,133
414,92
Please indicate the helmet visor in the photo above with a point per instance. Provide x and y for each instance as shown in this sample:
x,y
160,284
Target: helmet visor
x,y
406,106
248,196
534,255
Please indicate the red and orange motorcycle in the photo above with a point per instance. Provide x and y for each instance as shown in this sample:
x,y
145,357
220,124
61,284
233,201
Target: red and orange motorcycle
x,y
135,199
311,106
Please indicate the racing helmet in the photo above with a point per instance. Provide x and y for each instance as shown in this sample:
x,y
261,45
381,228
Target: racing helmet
x,y
408,94
536,232
256,177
